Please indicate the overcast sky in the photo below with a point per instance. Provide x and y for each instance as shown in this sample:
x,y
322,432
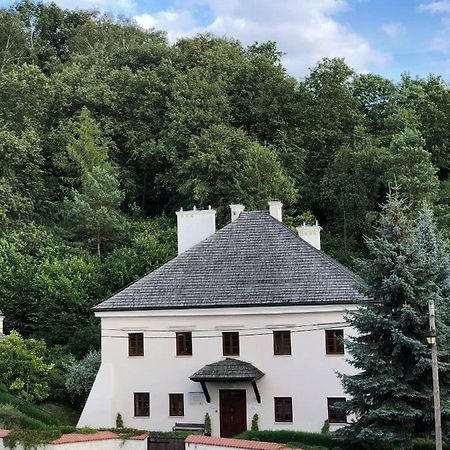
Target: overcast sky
x,y
387,37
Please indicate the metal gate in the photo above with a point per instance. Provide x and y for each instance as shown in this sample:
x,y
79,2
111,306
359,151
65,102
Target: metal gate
x,y
163,443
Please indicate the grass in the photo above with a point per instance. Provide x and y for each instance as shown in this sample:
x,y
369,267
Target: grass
x,y
65,414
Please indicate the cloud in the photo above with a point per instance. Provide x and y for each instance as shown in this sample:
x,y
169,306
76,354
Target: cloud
x,y
176,23
442,6
441,39
393,29
306,30
119,7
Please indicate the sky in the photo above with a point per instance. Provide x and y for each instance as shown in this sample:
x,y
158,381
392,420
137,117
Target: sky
x,y
387,37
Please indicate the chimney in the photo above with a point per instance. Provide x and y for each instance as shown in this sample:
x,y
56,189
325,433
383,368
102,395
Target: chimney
x,y
276,210
310,234
236,211
194,226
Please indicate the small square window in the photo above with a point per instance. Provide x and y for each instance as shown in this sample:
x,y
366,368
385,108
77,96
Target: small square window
x,y
176,404
334,414
230,343
184,343
334,342
282,343
135,344
141,404
283,409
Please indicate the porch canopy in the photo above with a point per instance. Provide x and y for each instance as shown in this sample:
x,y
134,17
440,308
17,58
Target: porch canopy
x,y
228,370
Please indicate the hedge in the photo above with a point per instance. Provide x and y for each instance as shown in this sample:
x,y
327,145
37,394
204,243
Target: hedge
x,y
298,438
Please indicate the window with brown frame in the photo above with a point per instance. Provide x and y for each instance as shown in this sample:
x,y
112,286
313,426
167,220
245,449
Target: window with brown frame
x,y
135,344
230,343
141,404
334,342
334,415
184,343
176,404
281,342
283,409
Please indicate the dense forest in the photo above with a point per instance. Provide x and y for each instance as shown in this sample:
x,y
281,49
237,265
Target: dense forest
x,y
107,129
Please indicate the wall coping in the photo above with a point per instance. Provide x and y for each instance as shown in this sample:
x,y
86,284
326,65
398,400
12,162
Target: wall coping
x,y
236,443
72,438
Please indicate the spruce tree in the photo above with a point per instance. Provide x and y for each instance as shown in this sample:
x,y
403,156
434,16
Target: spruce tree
x,y
391,395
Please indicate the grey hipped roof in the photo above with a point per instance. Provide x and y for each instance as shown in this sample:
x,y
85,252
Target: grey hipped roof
x,y
228,369
253,261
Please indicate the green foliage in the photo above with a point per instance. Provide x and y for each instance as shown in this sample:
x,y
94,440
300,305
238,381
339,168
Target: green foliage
x,y
208,429
81,376
23,369
326,427
390,395
255,424
93,214
9,416
286,436
119,421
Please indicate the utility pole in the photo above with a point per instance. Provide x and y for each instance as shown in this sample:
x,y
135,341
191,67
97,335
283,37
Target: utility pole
x,y
435,371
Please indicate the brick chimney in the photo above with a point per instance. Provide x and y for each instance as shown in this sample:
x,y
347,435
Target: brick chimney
x,y
276,210
194,226
310,234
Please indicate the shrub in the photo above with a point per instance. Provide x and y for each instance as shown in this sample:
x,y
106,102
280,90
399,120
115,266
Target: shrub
x,y
255,424
81,376
9,416
119,421
208,429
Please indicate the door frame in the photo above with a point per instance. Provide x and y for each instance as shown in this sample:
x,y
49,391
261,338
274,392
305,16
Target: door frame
x,y
220,407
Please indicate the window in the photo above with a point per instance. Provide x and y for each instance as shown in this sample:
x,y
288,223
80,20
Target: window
x,y
230,343
176,405
334,415
184,344
136,344
281,342
334,343
283,409
141,404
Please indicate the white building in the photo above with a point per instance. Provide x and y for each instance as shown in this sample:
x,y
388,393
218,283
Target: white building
x,y
246,320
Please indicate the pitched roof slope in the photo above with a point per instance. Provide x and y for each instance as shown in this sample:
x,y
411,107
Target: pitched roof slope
x,y
228,369
253,261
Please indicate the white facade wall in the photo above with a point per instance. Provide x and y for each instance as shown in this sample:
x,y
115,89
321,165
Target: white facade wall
x,y
308,375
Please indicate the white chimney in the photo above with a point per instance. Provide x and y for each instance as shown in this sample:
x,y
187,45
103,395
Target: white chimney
x,y
194,226
276,210
236,211
310,234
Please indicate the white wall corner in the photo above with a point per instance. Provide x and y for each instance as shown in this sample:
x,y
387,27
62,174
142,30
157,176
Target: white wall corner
x,y
276,210
99,410
236,210
194,226
310,234
1,322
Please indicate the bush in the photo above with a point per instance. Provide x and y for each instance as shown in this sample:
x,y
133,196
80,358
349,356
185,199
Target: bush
x,y
286,436
9,416
36,416
81,376
255,424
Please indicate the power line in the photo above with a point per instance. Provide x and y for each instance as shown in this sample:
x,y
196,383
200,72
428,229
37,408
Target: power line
x,y
318,327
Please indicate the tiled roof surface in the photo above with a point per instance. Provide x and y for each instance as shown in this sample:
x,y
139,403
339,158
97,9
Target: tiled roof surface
x,y
237,443
253,261
228,369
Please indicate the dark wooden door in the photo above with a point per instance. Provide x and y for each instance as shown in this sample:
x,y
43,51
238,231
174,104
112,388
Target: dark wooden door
x,y
233,412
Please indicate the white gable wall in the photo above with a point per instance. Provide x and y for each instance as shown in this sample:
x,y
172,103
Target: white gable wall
x,y
308,375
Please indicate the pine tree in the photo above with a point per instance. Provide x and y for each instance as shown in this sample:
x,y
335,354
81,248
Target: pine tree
x,y
93,214
391,395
